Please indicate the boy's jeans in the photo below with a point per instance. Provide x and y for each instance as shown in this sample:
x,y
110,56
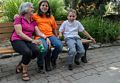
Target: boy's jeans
x,y
76,49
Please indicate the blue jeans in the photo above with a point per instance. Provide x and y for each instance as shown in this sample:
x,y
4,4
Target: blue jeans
x,y
76,49
56,43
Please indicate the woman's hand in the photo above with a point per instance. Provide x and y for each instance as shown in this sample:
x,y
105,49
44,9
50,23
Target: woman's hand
x,y
36,41
48,42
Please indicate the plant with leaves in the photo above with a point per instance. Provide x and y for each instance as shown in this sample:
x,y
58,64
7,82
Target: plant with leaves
x,y
113,8
58,10
71,4
104,31
11,7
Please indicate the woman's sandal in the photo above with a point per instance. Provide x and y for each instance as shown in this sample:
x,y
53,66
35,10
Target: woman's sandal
x,y
19,68
25,76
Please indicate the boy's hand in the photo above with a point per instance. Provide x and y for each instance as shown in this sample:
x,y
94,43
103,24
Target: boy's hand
x,y
93,40
59,36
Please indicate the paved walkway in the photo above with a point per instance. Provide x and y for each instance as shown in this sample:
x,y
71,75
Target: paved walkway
x,y
103,67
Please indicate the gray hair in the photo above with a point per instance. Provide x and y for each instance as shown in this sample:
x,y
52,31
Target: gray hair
x,y
24,7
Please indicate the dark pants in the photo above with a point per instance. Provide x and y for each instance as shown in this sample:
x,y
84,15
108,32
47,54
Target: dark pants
x,y
26,49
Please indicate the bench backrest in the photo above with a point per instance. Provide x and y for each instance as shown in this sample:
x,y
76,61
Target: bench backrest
x,y
6,29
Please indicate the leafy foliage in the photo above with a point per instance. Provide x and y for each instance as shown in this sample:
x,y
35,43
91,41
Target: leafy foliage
x,y
57,7
11,7
102,30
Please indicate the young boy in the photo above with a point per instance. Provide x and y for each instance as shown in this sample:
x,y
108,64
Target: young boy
x,y
70,29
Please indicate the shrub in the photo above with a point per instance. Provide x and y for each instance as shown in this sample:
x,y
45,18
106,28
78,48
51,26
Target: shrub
x,y
11,7
102,30
57,7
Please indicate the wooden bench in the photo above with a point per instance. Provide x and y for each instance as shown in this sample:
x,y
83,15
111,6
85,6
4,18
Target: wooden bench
x,y
6,30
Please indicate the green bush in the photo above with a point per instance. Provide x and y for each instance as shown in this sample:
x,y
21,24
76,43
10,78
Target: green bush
x,y
11,7
102,30
57,7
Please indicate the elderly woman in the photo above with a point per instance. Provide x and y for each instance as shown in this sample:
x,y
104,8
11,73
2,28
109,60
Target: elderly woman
x,y
22,41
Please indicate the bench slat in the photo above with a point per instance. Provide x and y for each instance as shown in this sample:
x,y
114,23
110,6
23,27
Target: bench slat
x,y
6,50
6,24
7,35
6,30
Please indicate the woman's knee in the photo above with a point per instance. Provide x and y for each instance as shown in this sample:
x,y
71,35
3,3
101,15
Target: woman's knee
x,y
27,52
59,46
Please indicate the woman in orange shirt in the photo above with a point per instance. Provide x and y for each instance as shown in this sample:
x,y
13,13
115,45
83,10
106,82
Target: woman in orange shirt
x,y
47,25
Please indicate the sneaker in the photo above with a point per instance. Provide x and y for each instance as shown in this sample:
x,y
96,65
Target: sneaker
x,y
70,67
83,59
77,62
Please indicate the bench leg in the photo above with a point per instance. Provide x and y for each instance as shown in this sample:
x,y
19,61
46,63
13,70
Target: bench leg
x,y
84,58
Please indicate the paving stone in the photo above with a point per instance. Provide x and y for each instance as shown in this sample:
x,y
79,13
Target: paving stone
x,y
60,81
86,67
77,70
98,64
52,78
116,64
69,78
0,70
42,80
12,77
79,75
6,69
90,71
56,81
100,69
66,73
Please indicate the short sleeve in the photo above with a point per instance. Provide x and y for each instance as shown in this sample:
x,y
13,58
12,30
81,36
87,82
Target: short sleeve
x,y
53,22
35,24
80,27
62,27
17,20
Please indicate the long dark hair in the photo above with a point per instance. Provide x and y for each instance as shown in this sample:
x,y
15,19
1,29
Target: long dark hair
x,y
40,13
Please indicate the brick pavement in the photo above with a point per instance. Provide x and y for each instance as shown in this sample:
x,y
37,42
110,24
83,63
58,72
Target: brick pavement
x,y
103,67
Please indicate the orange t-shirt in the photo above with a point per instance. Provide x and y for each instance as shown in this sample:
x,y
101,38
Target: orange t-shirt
x,y
45,24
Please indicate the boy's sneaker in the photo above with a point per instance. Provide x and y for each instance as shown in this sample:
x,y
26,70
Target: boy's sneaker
x,y
77,62
70,67
83,59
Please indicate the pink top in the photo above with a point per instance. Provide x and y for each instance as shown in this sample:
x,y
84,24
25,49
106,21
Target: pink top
x,y
27,28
